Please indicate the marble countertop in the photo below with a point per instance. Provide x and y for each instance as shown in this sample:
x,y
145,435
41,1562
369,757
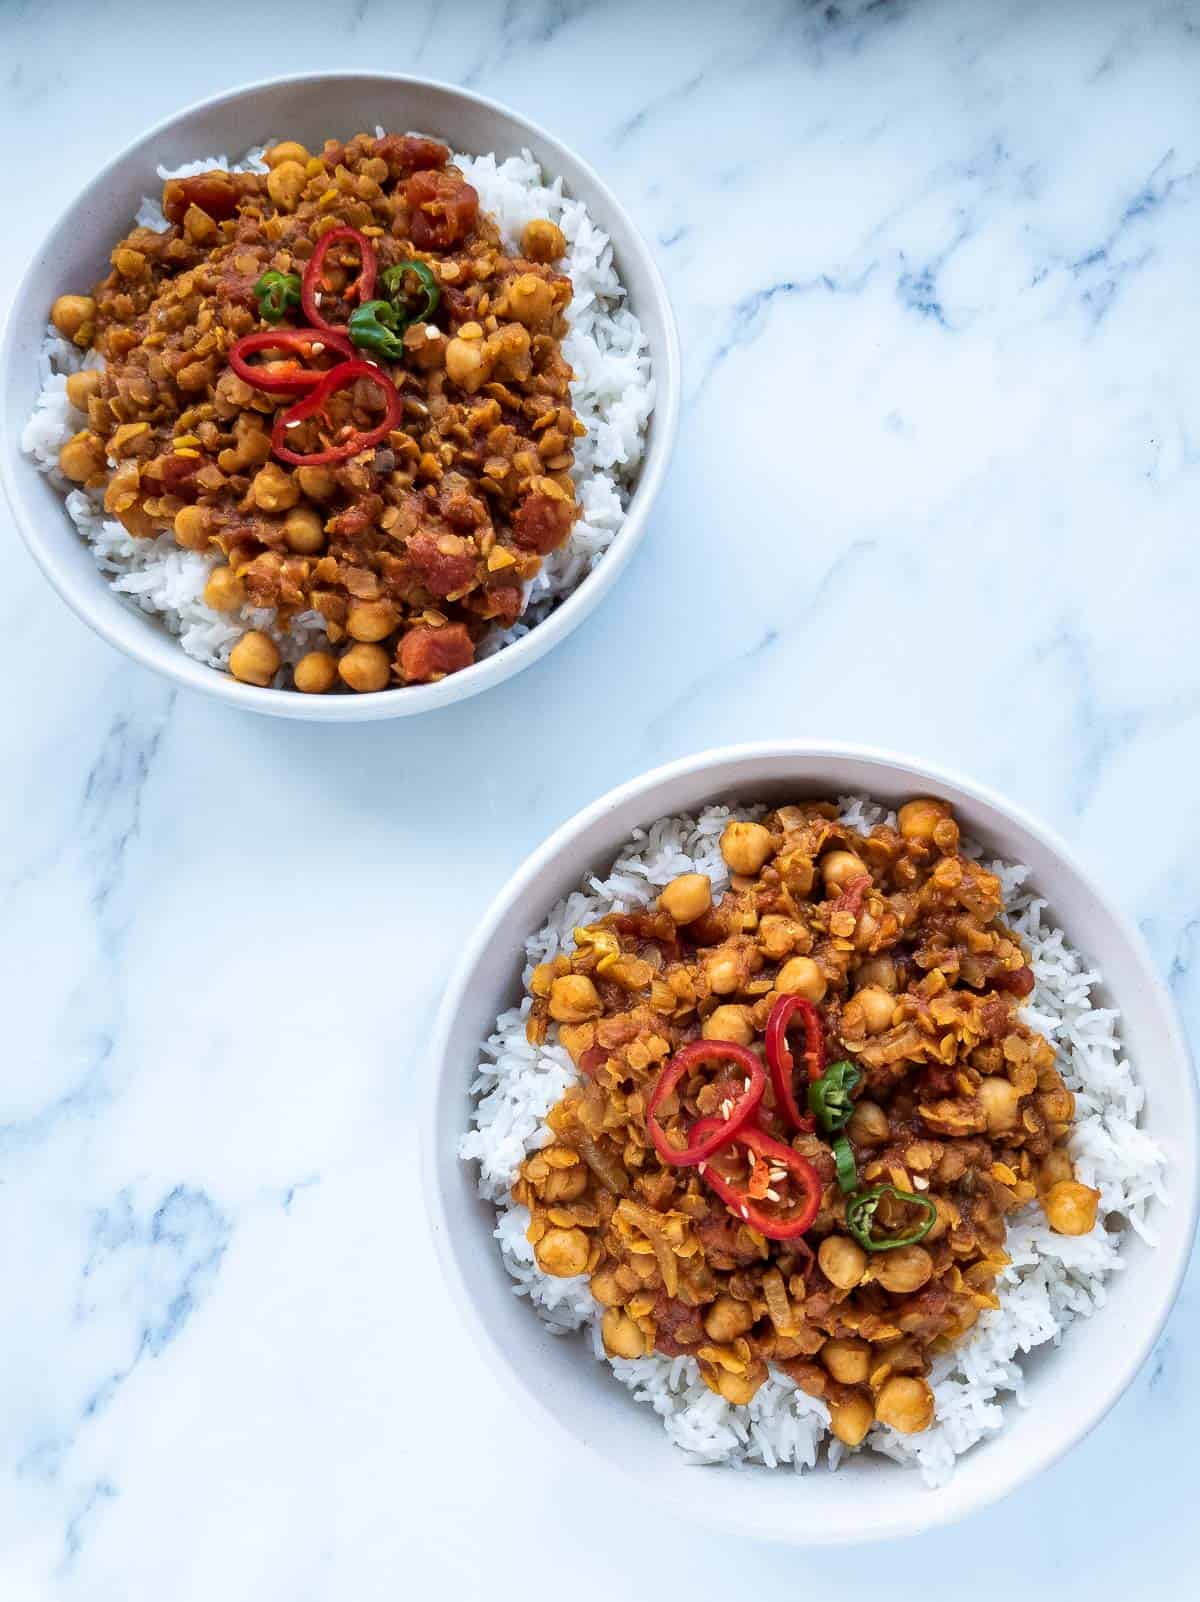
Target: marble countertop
x,y
935,268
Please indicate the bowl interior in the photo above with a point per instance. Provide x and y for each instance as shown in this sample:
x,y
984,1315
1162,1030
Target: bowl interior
x,y
76,254
1070,1388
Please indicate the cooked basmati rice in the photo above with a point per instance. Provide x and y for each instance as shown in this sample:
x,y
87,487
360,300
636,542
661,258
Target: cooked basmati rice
x,y
1053,1279
613,394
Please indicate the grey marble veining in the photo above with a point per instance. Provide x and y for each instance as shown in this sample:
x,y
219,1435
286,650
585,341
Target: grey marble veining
x,y
935,267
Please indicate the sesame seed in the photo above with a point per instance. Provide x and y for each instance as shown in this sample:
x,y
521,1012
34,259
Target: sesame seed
x,y
773,1195
745,1212
317,347
701,1167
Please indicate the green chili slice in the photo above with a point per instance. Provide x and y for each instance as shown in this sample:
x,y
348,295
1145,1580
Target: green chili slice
x,y
860,1218
415,305
847,1168
829,1097
276,294
376,326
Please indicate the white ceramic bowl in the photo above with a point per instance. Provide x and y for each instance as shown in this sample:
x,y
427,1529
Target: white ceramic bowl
x,y
312,109
1070,1388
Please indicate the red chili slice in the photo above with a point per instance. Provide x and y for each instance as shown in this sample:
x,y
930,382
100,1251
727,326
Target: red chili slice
x,y
781,1062
289,376
751,1081
734,1188
341,377
313,284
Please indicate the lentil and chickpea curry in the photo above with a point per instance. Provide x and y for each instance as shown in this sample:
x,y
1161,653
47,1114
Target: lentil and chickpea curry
x,y
332,376
804,1113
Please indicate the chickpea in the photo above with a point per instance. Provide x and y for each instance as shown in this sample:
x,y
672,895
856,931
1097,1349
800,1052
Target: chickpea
x,y
621,1336
851,1419
999,1100
729,1023
531,300
543,240
875,1005
800,976
687,898
723,971
371,620
273,489
1071,1207
906,1404
466,364
81,457
82,386
254,659
566,1184
726,1319
318,483
304,531
842,1260
224,591
849,1361
316,672
191,528
285,184
562,1252
745,847
777,935
878,972
286,150
839,867
904,1269
573,999
738,1388
1056,1167
918,819
252,445
605,1289
72,313
508,352
365,668
868,1124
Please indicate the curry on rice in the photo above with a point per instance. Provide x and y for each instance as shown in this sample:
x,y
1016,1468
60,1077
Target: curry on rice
x,y
804,1114
334,376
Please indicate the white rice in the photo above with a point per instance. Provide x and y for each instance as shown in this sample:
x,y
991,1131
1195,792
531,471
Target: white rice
x,y
1053,1279
613,394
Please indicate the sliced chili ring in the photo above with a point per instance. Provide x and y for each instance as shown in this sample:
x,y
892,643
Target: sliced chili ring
x,y
313,283
860,1218
287,376
781,1062
734,1192
337,378
751,1082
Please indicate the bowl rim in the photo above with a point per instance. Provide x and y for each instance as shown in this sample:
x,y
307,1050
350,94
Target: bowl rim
x,y
158,651
1185,1198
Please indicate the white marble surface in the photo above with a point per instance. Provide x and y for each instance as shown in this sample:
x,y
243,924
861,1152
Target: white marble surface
x,y
936,274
